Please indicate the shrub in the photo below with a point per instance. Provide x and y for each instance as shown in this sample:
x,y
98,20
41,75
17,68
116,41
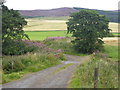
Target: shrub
x,y
16,48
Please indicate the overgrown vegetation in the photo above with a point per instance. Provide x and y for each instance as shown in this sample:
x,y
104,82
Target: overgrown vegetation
x,y
107,73
64,44
15,67
42,57
89,28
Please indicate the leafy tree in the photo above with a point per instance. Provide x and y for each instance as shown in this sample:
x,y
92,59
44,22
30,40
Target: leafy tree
x,y
89,28
12,31
12,24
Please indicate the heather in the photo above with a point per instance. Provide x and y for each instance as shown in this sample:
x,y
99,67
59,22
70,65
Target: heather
x,y
55,38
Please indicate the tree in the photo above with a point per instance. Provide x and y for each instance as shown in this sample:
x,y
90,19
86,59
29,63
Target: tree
x,y
89,28
12,24
12,31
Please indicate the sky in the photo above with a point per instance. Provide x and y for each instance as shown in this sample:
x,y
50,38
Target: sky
x,y
50,4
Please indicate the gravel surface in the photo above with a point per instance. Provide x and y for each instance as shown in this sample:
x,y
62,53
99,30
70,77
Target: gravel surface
x,y
53,77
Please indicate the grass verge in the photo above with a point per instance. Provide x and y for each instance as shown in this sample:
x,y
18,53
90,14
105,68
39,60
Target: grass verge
x,y
16,67
108,71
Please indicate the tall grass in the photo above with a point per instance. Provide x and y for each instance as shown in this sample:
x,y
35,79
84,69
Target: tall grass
x,y
84,76
107,73
14,67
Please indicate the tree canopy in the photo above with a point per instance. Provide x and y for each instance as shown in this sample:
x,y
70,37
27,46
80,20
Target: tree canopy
x,y
12,24
89,28
12,31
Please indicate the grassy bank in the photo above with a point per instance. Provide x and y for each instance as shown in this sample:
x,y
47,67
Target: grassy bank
x,y
108,71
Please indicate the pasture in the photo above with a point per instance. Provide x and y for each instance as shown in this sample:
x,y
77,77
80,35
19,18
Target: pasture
x,y
43,27
41,35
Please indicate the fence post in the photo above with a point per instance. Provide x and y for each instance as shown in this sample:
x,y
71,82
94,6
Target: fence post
x,y
96,77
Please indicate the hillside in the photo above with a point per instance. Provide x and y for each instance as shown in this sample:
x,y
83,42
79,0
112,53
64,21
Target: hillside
x,y
48,13
112,15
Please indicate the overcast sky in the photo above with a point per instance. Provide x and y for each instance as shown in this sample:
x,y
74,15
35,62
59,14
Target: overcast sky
x,y
49,4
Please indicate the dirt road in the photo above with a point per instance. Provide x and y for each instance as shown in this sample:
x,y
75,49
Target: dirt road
x,y
54,77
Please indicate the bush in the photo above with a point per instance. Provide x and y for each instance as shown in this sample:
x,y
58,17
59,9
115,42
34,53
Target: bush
x,y
16,48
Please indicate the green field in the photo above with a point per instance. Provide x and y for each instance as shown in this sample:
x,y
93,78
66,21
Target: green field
x,y
41,35
116,34
42,27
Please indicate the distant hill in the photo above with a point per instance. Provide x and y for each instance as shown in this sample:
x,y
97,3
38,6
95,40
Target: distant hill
x,y
112,15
